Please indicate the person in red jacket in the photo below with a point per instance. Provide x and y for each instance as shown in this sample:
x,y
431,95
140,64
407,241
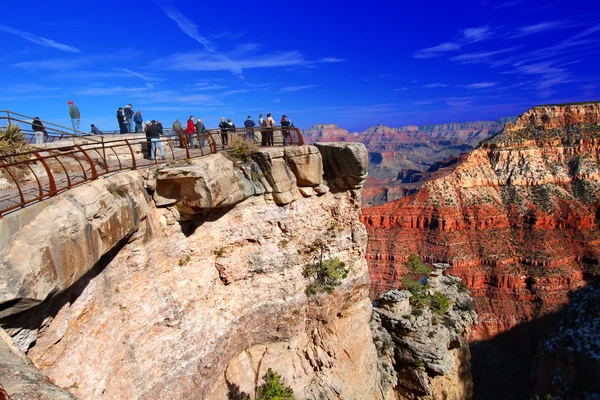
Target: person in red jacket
x,y
191,130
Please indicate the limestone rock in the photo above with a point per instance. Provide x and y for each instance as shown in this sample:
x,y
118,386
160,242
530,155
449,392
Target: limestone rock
x,y
306,163
321,189
280,177
66,238
422,354
345,164
21,380
307,191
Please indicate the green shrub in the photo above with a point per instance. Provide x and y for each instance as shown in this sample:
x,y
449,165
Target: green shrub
x,y
273,388
241,149
419,363
326,275
416,266
439,303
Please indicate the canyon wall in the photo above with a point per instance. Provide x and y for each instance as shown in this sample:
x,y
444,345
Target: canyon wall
x,y
201,289
516,219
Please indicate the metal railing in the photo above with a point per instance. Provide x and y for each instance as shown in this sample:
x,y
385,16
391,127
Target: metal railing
x,y
47,170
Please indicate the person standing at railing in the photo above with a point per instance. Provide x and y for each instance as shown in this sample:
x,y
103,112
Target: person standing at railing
x,y
75,116
224,128
263,130
176,129
200,131
39,132
285,130
191,130
137,118
121,120
129,117
231,127
155,144
270,124
249,124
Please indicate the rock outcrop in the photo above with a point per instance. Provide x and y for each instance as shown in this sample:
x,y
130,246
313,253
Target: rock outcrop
x,y
422,354
208,291
567,365
47,248
516,219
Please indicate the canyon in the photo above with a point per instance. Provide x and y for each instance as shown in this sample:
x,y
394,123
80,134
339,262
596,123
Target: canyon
x,y
189,281
517,220
400,157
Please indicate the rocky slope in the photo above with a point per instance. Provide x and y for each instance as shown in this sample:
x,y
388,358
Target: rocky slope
x,y
516,219
401,156
424,355
568,362
202,290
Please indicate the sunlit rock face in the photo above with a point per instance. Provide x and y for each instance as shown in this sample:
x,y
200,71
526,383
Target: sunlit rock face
x,y
207,290
516,219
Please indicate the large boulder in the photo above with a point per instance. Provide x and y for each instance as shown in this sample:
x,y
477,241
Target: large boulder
x,y
207,183
42,254
306,163
345,164
278,175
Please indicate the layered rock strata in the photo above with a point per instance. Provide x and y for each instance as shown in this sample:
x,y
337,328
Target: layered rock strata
x,y
424,355
208,291
516,218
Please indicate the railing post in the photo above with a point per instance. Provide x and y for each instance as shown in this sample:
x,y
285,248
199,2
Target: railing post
x,y
89,159
51,181
134,166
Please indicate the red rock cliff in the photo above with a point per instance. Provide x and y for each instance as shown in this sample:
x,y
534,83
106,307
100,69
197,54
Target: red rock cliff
x,y
516,218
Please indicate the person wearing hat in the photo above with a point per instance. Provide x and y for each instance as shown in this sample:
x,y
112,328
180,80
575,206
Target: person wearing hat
x,y
75,116
285,130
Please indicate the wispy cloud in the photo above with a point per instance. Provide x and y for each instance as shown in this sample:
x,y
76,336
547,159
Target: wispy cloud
x,y
276,100
188,27
508,4
112,91
466,36
539,28
480,85
207,86
227,35
435,85
332,60
42,41
205,61
436,51
296,88
144,77
400,89
481,57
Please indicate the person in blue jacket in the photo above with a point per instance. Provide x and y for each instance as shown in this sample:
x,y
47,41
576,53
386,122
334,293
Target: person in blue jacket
x,y
137,118
249,124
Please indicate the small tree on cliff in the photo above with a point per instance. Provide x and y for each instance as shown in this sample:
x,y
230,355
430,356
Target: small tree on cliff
x,y
326,275
273,388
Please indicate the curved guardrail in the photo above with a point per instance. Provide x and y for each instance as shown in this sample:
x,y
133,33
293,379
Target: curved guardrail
x,y
59,165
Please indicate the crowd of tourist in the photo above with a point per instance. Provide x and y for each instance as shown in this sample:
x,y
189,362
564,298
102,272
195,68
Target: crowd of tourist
x,y
192,136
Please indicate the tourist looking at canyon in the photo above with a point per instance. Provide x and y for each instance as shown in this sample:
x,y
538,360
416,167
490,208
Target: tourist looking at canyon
x,y
249,124
75,116
224,128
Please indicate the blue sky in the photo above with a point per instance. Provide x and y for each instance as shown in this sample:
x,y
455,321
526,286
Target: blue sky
x,y
351,63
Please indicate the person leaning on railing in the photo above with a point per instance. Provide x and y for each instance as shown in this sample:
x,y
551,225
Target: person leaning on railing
x,y
249,124
285,130
270,122
39,132
155,144
224,128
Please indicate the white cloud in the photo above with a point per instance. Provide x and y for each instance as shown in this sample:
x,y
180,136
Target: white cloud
x,y
296,88
480,85
276,100
508,4
436,51
481,57
435,85
400,89
42,41
135,74
112,91
538,28
477,34
206,86
331,60
188,27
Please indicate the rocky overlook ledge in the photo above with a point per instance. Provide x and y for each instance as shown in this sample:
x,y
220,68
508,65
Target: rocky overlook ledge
x,y
187,281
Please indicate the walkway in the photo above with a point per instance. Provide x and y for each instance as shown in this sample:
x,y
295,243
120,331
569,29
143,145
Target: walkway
x,y
61,164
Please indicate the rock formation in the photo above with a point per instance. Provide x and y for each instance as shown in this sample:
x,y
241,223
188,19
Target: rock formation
x,y
424,355
205,290
568,362
516,219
